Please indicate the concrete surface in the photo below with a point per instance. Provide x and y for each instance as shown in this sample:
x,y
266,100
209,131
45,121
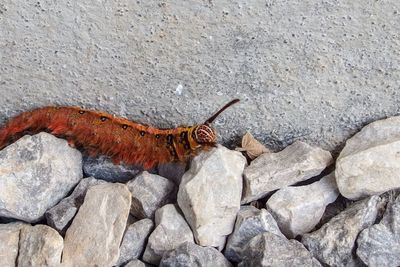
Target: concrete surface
x,y
305,70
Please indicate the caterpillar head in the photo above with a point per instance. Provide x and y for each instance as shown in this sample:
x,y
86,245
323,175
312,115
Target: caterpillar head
x,y
204,134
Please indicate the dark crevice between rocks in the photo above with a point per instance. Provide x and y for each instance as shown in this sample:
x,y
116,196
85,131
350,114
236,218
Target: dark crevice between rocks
x,y
314,179
19,246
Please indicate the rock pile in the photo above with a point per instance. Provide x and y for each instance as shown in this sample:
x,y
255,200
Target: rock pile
x,y
223,211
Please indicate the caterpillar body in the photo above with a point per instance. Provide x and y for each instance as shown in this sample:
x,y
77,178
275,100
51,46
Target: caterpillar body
x,y
100,133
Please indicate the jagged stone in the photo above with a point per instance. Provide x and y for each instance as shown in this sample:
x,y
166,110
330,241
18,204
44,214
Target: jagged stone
x,y
298,209
171,231
61,215
209,194
190,254
268,249
36,172
149,193
104,169
250,222
9,242
39,245
96,232
136,263
134,240
272,171
369,163
379,245
333,244
173,171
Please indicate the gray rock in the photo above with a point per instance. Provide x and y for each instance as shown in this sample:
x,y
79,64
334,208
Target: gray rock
x,y
36,172
209,195
39,245
103,168
134,240
171,231
250,222
190,254
94,237
379,245
136,263
271,171
333,209
9,243
334,243
149,193
172,171
61,215
268,249
368,164
298,210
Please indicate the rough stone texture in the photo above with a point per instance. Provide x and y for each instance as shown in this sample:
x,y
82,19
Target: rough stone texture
x,y
61,215
40,245
268,249
379,245
369,163
172,171
209,195
311,70
9,243
134,240
271,171
171,231
298,210
103,168
334,243
97,229
333,209
36,172
190,254
149,193
250,222
136,263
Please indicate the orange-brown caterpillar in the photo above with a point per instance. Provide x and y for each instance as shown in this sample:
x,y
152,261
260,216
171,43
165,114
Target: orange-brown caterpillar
x,y
100,133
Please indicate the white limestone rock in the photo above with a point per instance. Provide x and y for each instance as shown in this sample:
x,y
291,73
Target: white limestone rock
x,y
134,240
379,245
61,215
333,244
149,193
171,231
268,249
9,243
209,195
40,245
136,263
298,209
36,172
190,254
250,222
94,237
272,171
369,163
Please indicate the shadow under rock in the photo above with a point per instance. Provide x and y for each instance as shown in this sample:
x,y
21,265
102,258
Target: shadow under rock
x,y
104,169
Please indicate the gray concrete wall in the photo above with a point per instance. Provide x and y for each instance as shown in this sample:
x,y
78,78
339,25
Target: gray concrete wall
x,y
305,70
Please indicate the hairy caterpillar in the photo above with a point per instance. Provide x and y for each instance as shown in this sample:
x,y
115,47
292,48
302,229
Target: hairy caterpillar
x,y
100,133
